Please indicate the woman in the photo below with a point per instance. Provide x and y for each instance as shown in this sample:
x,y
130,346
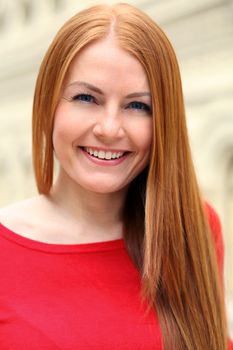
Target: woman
x,y
118,251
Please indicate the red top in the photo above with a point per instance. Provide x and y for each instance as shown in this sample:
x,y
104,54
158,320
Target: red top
x,y
74,296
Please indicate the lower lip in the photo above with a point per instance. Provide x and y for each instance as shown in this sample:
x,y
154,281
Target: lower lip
x,y
104,162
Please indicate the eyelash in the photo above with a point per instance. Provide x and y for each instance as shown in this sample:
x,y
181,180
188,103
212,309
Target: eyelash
x,y
76,98
145,107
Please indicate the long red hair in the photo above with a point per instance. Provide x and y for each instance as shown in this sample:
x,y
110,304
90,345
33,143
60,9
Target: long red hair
x,y
166,230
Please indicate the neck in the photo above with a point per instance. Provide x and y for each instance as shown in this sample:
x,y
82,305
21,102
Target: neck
x,y
89,211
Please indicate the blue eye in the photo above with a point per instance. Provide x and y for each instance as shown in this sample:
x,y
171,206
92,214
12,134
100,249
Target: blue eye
x,y
140,106
84,98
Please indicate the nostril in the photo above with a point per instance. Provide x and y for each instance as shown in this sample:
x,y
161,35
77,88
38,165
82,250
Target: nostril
x,y
108,129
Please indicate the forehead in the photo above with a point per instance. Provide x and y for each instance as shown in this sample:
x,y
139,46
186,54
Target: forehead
x,y
105,59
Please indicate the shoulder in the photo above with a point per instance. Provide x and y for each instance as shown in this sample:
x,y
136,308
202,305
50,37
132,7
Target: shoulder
x,y
18,207
214,223
21,215
213,218
216,231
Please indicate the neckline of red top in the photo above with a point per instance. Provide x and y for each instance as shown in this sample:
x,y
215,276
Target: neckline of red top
x,y
60,247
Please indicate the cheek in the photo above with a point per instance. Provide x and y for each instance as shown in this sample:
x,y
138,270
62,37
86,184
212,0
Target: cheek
x,y
63,130
147,139
59,134
66,125
143,134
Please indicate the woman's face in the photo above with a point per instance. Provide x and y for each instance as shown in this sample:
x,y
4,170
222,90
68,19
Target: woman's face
x,y
103,124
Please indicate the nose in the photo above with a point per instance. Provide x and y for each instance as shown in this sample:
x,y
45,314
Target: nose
x,y
109,126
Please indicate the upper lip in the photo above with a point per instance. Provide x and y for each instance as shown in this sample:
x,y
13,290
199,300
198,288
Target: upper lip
x,y
113,150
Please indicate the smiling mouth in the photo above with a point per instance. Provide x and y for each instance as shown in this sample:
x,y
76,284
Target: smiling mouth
x,y
104,155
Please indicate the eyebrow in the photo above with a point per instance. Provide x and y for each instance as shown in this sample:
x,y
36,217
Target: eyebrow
x,y
97,90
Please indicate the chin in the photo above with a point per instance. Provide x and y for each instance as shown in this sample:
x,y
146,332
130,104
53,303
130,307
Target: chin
x,y
104,188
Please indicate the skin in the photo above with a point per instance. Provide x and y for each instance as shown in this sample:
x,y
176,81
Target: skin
x,y
87,198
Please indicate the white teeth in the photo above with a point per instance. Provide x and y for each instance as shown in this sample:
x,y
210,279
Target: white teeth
x,y
102,154
118,155
108,155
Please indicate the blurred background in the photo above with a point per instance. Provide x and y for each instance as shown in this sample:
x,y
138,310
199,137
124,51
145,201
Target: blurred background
x,y
201,32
